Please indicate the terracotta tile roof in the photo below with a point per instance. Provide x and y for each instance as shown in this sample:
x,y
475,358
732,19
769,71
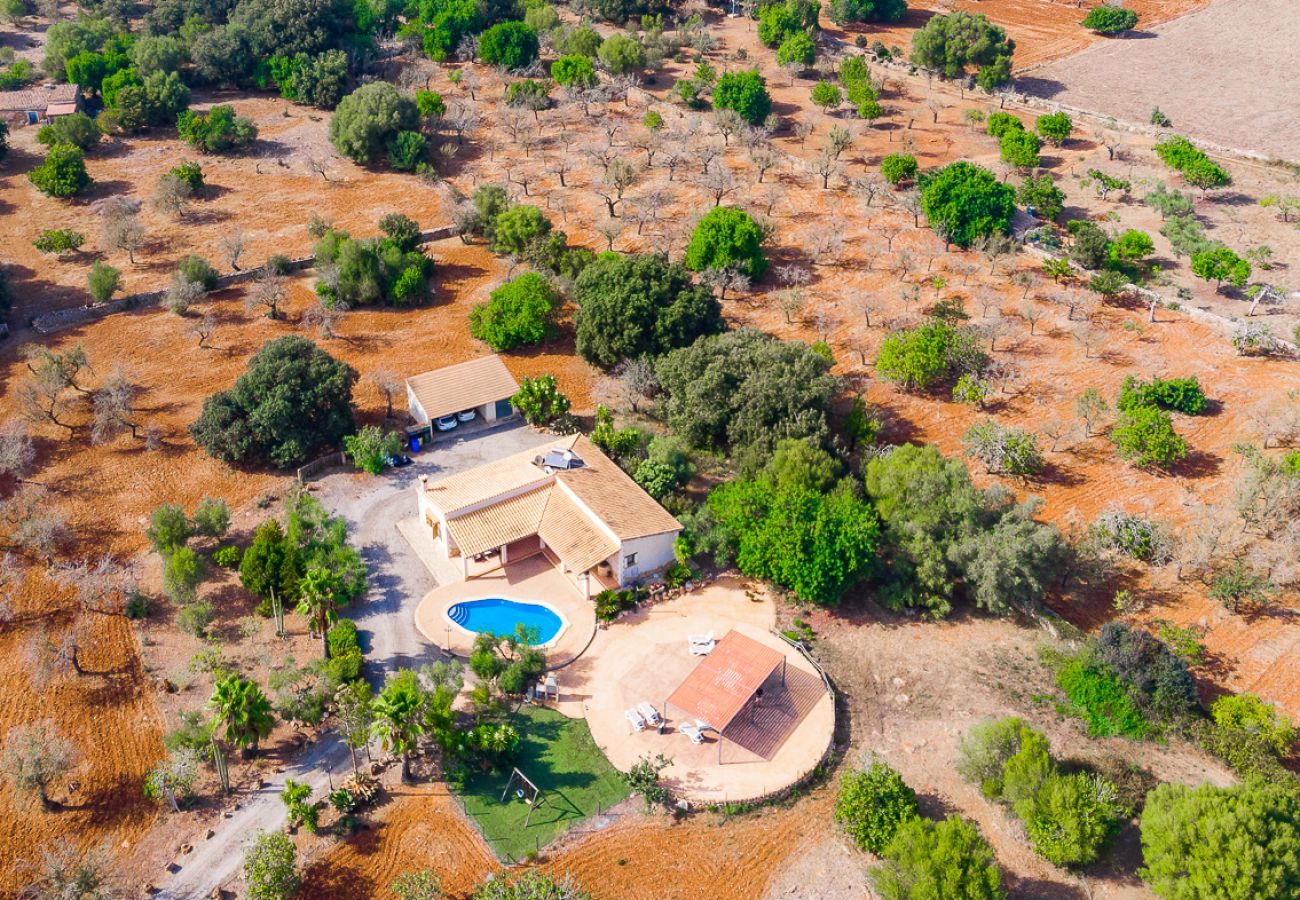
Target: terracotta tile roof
x,y
569,531
37,98
579,502
463,386
610,493
507,475
500,523
724,681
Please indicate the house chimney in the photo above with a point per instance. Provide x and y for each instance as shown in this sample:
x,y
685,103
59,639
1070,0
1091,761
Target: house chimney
x,y
424,483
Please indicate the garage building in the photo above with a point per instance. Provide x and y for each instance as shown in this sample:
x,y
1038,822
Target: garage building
x,y
483,385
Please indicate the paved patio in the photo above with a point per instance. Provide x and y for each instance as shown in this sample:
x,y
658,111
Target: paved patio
x,y
645,658
531,580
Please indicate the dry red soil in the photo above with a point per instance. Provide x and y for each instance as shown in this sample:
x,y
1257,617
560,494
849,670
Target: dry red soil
x,y
1042,29
107,491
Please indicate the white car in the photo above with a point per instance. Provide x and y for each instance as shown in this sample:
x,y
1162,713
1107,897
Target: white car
x,y
467,415
445,423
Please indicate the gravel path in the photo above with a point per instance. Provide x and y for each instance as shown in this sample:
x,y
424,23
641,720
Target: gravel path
x,y
398,581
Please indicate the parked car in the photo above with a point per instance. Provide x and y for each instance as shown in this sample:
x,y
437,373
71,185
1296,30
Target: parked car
x,y
466,415
396,462
445,423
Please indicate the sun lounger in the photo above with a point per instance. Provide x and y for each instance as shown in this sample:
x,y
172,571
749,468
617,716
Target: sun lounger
x,y
701,644
634,719
691,732
651,714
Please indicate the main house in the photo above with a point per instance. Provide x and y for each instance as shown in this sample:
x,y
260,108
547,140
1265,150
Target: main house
x,y
565,499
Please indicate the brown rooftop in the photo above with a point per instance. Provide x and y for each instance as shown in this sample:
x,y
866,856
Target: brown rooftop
x,y
38,98
616,501
726,680
463,386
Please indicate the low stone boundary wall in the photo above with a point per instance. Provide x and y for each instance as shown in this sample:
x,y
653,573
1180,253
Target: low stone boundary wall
x,y
80,315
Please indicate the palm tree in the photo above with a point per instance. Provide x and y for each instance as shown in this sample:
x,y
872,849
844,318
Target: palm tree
x,y
243,709
399,719
318,601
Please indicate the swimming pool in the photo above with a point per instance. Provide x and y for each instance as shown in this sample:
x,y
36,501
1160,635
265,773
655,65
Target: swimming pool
x,y
500,616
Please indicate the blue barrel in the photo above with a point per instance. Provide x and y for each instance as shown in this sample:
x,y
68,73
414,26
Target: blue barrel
x,y
415,445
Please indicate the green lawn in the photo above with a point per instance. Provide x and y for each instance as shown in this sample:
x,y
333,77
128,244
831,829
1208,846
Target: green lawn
x,y
559,755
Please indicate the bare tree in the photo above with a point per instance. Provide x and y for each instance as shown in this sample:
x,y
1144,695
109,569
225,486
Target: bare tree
x,y
860,343
673,159
1056,429
1031,313
172,195
867,188
386,382
121,228
1090,337
904,263
609,229
718,181
728,122
794,276
889,229
992,329
268,291
113,408
1024,280
637,377
203,329
866,304
763,160
102,587
34,526
988,299
964,269
34,758
825,322
801,132
231,245
17,451
323,318
838,139
826,245
619,176
910,200
182,294
646,208
462,118
826,165
650,143
43,396
791,303
724,279
994,246
935,106
319,166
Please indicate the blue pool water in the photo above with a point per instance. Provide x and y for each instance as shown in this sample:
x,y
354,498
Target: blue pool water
x,y
501,616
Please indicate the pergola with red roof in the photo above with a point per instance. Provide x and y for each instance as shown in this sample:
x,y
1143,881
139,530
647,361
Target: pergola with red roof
x,y
725,682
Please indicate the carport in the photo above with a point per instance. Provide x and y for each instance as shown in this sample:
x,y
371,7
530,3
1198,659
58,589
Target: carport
x,y
482,385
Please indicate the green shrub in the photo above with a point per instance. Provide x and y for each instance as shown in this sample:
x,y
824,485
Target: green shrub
x,y
964,202
539,400
227,557
1071,817
1199,170
1099,698
1003,123
871,806
727,237
620,54
406,150
518,313
62,174
797,49
508,45
1183,395
197,270
190,174
1157,680
1145,436
194,618
1109,19
574,70
217,131
917,359
1020,149
938,860
898,167
983,752
371,447
1133,536
1056,127
746,93
59,241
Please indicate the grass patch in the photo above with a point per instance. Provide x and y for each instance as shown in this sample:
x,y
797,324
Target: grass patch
x,y
560,756
1099,698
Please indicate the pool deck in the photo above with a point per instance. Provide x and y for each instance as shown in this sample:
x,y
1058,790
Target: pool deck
x,y
533,580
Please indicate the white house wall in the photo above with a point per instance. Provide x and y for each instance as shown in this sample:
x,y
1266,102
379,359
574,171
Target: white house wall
x,y
652,553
